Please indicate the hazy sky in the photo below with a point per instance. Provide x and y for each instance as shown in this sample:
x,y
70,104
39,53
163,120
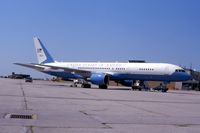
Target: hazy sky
x,y
165,31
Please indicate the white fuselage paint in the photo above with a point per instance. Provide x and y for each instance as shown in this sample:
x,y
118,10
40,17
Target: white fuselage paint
x,y
131,68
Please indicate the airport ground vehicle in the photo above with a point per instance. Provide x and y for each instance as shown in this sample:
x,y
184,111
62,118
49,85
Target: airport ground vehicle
x,y
29,79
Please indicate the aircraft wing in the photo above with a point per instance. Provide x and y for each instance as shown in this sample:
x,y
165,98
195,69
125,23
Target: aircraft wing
x,y
31,65
84,73
67,69
43,67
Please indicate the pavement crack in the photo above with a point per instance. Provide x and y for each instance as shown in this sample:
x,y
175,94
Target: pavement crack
x,y
105,125
146,110
84,113
28,129
24,96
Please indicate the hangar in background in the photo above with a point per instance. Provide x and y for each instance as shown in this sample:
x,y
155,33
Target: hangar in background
x,y
193,84
18,76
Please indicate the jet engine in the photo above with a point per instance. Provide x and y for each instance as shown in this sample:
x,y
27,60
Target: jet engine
x,y
100,79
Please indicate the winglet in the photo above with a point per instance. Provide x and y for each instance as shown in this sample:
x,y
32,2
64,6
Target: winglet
x,y
42,53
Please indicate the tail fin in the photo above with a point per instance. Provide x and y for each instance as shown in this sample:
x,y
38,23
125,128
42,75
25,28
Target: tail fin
x,y
42,53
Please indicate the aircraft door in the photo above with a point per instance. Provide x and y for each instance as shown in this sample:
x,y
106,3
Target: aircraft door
x,y
167,71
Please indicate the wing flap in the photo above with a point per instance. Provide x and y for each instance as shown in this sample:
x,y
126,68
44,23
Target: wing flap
x,y
66,69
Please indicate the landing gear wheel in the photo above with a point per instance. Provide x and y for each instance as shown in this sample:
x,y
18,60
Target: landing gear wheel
x,y
103,86
164,90
74,85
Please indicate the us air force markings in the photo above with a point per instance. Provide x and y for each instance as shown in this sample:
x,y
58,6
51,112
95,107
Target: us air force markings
x,y
47,107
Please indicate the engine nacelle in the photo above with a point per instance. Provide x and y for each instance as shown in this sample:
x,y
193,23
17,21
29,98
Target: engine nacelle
x,y
99,79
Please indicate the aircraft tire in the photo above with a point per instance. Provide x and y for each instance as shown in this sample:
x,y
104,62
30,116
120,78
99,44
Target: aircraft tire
x,y
103,87
164,90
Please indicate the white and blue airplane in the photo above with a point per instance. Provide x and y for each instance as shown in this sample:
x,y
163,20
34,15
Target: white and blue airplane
x,y
100,73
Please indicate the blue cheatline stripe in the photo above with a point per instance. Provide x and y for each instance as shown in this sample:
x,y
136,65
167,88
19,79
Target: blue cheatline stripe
x,y
168,78
175,77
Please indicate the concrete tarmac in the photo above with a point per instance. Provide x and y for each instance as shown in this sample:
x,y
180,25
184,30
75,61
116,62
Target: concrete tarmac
x,y
58,108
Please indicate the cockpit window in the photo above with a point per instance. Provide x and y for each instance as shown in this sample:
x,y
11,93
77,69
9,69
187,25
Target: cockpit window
x,y
180,70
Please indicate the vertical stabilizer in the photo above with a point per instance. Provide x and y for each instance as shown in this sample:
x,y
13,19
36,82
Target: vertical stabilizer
x,y
42,53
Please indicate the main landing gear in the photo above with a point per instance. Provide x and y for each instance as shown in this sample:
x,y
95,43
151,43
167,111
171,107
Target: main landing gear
x,y
103,86
86,85
138,85
162,87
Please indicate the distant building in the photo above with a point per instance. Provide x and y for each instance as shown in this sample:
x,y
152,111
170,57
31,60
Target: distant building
x,y
137,61
18,76
193,84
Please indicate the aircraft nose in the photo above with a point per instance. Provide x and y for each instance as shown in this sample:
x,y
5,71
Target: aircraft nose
x,y
188,76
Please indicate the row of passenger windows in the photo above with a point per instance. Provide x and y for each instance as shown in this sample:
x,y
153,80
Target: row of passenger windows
x,y
120,69
93,68
103,68
146,69
96,65
107,68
